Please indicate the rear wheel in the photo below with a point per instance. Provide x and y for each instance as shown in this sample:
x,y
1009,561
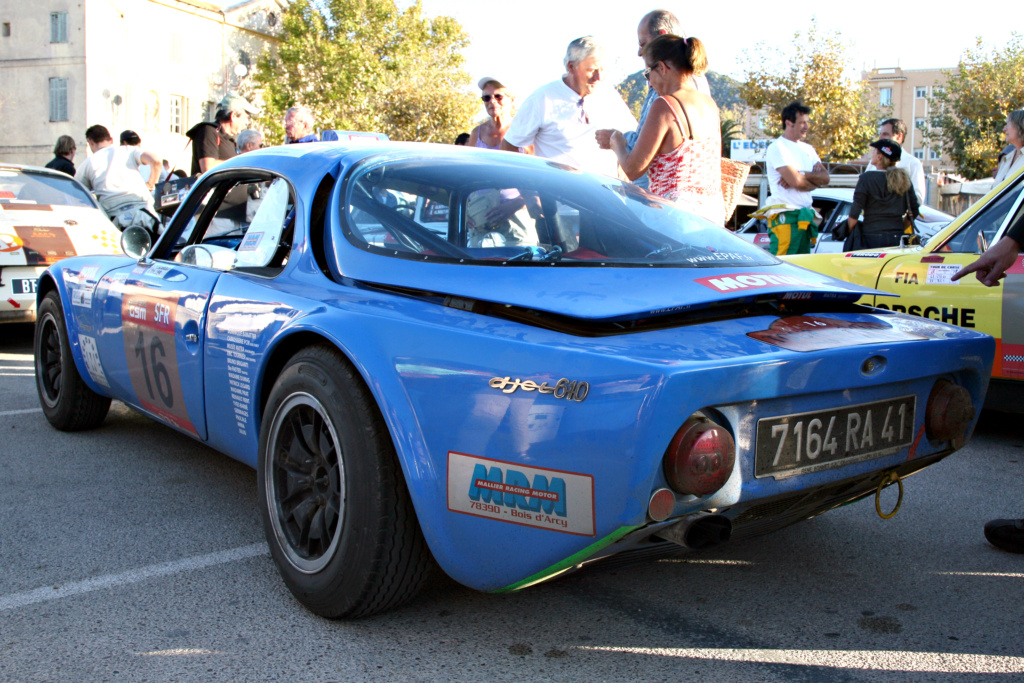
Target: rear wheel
x,y
68,403
335,507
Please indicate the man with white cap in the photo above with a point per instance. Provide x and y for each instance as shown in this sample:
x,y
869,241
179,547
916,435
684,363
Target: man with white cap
x,y
214,141
560,119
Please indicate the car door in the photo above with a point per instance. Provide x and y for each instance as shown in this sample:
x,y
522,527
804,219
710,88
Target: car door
x,y
922,280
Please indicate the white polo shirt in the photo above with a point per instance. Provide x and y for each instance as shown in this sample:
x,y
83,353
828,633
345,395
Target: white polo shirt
x,y
561,125
800,156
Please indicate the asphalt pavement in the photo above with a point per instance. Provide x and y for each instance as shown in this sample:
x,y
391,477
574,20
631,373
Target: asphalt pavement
x,y
133,553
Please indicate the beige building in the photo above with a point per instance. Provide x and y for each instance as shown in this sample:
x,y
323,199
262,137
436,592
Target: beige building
x,y
157,67
907,94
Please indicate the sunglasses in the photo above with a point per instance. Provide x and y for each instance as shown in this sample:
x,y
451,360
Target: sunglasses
x,y
647,72
497,98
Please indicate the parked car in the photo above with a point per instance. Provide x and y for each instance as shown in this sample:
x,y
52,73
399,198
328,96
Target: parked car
x,y
833,203
569,370
45,216
921,278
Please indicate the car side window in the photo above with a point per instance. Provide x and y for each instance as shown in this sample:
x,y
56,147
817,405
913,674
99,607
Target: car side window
x,y
243,225
979,232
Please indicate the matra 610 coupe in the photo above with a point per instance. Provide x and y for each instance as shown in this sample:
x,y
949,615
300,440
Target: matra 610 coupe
x,y
495,364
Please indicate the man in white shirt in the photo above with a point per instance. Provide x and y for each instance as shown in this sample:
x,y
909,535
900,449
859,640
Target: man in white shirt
x,y
794,169
895,129
559,119
112,173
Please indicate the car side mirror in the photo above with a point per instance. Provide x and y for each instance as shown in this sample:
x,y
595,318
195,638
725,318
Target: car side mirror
x,y
136,242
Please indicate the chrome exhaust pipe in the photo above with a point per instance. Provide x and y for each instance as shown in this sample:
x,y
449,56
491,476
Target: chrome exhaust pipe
x,y
699,530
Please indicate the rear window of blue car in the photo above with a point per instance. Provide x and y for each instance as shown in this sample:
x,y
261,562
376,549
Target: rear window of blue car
x,y
478,210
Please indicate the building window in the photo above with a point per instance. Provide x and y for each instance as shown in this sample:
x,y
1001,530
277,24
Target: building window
x,y
58,27
919,153
938,90
920,123
885,97
934,154
7,29
58,99
921,91
178,105
177,49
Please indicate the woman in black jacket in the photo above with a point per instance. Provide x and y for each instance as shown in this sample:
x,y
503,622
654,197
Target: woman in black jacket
x,y
885,196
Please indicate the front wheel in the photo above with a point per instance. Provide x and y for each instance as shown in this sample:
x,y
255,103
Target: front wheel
x,y
68,403
335,508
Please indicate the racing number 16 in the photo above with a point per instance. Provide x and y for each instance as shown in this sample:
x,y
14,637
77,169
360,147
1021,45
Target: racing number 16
x,y
153,365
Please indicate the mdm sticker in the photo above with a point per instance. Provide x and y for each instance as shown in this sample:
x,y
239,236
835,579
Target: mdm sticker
x,y
147,319
531,496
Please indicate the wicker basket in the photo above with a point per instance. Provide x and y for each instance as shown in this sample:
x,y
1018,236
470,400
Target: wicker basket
x,y
734,175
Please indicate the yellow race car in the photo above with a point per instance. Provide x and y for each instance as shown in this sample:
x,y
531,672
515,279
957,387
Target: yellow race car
x,y
920,275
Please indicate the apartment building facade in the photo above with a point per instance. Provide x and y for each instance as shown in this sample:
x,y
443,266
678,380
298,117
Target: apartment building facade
x,y
153,66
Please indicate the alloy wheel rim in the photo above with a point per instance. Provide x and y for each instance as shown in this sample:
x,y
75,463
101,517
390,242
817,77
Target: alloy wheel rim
x,y
305,480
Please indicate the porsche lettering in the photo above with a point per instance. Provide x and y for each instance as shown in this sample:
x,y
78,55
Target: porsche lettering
x,y
964,317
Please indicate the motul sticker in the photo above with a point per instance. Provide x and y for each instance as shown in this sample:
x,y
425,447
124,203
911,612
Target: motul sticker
x,y
530,496
732,283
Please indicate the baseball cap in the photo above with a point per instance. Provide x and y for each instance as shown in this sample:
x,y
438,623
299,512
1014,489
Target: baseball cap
x,y
130,137
489,79
890,149
236,103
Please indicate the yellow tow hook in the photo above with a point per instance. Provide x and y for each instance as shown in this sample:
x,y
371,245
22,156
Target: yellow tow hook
x,y
888,479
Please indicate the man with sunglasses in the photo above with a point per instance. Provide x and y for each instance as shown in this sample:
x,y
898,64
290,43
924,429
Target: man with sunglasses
x,y
559,119
655,23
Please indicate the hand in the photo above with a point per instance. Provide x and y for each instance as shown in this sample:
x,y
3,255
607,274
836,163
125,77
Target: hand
x,y
991,266
504,211
818,167
783,184
604,138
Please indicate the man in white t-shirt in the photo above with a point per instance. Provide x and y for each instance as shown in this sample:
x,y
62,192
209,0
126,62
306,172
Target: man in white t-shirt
x,y
794,169
559,119
895,129
112,173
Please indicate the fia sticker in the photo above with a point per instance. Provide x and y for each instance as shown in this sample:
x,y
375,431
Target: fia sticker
x,y
941,273
548,499
92,359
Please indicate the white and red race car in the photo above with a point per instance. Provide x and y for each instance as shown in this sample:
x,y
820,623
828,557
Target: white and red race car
x,y
45,216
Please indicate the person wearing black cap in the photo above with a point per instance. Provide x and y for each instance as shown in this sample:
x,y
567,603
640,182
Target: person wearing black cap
x,y
214,141
886,197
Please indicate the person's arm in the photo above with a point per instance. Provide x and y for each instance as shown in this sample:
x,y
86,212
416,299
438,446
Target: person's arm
x,y
632,135
915,206
155,164
207,143
818,176
474,136
528,149
634,162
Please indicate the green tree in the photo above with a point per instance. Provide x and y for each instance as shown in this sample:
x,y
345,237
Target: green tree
x,y
369,65
968,115
815,71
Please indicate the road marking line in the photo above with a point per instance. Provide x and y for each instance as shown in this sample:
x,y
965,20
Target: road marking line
x,y
26,411
864,660
49,594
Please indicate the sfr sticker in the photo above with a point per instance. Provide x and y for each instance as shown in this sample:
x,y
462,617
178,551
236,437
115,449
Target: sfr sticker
x,y
531,496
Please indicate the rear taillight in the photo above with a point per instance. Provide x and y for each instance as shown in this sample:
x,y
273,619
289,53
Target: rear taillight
x,y
949,412
700,458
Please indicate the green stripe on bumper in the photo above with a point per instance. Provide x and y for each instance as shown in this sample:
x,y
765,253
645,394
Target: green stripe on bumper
x,y
568,562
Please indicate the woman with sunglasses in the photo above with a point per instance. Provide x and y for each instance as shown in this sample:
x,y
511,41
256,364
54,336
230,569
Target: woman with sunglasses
x,y
680,144
500,105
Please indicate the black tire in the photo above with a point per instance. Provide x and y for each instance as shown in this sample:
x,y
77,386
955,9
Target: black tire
x,y
336,511
68,403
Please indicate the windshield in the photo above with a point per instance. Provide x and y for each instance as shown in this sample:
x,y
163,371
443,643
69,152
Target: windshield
x,y
24,187
480,209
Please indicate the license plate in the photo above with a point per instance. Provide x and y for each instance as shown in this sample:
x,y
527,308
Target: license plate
x,y
819,440
24,286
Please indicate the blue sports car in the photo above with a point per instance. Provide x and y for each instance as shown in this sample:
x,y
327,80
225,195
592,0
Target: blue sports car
x,y
494,364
